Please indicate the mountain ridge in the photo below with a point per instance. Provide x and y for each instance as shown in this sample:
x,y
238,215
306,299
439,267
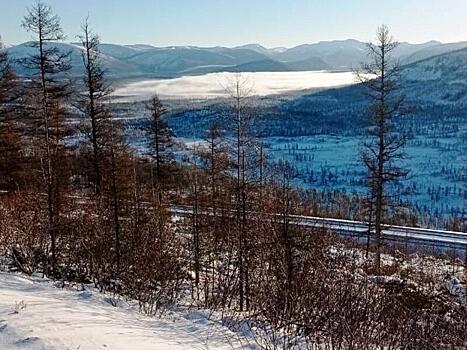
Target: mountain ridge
x,y
122,61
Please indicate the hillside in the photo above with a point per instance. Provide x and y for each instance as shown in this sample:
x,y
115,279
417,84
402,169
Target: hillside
x,y
434,50
439,79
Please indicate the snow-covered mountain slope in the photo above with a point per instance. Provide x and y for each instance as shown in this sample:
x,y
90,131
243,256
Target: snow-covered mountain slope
x,y
441,78
338,54
404,49
433,51
173,60
118,51
451,66
345,54
34,315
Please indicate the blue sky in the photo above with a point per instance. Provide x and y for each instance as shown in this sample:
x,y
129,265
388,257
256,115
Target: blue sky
x,y
235,22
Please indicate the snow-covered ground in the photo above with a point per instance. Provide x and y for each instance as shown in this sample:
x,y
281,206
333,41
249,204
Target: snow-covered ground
x,y
332,162
35,315
216,85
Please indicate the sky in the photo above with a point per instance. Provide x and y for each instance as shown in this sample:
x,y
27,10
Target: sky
x,y
271,23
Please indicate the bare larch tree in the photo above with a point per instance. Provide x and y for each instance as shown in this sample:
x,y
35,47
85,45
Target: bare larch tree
x,y
384,147
48,65
92,102
240,90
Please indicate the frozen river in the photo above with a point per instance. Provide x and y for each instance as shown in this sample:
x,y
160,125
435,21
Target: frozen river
x,y
216,85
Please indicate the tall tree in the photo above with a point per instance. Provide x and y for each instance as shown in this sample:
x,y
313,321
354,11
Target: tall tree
x,y
92,103
384,147
48,66
160,143
116,181
240,90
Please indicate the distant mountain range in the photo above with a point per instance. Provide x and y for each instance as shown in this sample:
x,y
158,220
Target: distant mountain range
x,y
125,61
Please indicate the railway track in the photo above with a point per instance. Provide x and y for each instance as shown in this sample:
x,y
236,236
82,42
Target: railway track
x,y
358,229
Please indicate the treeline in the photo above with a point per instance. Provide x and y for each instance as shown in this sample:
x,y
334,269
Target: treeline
x,y
80,205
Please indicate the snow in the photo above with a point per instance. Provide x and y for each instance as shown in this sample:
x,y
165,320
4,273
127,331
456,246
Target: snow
x,y
214,85
316,156
35,315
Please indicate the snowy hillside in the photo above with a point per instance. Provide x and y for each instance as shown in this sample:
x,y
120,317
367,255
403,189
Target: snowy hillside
x,y
449,67
441,79
432,51
35,315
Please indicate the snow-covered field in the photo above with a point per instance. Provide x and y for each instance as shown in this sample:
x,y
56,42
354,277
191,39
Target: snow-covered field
x,y
35,315
216,85
332,162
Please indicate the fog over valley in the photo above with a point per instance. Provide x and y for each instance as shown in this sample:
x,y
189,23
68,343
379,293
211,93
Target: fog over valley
x,y
215,85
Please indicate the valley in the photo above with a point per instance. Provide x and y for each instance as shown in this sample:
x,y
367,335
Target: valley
x,y
316,122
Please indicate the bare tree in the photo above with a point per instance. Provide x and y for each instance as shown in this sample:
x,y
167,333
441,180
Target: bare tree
x,y
384,147
92,102
48,65
240,90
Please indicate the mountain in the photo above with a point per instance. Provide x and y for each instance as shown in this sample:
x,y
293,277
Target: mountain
x,y
179,60
120,52
123,61
404,49
434,50
240,55
257,48
126,61
340,54
346,54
